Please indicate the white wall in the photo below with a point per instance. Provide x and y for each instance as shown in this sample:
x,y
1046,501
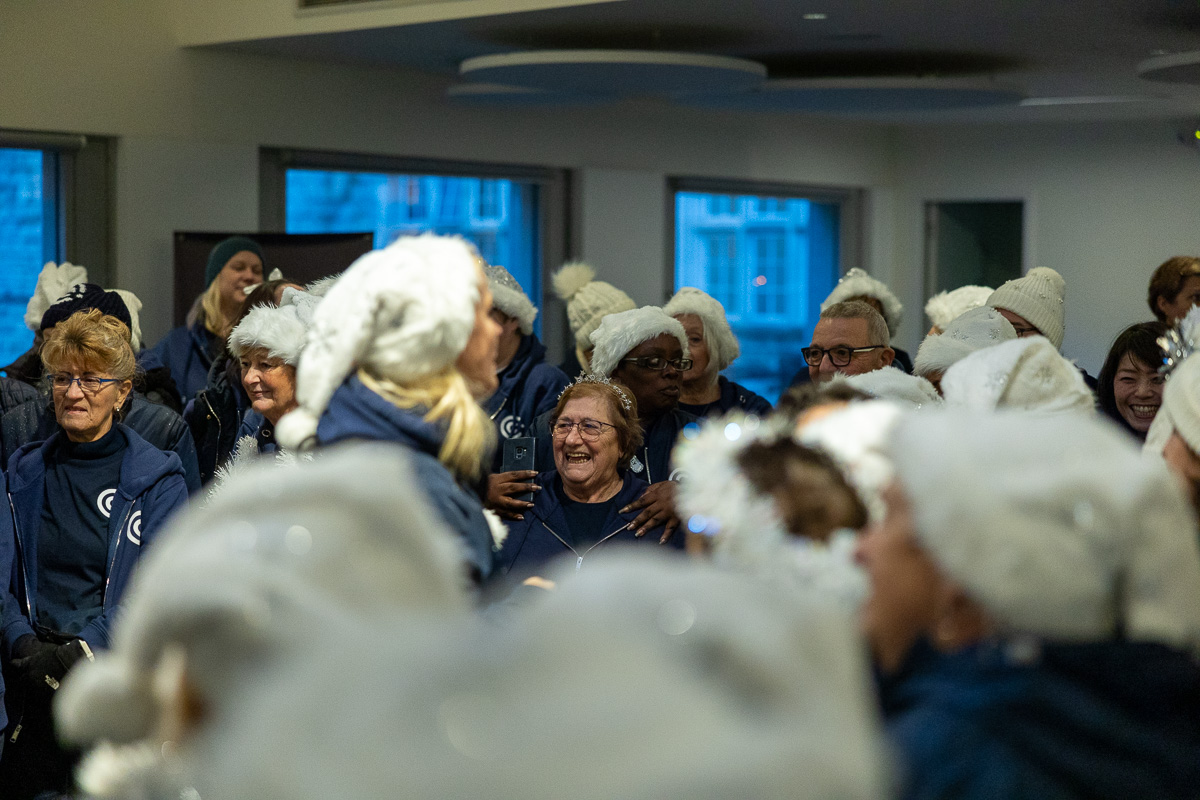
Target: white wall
x,y
1105,205
190,123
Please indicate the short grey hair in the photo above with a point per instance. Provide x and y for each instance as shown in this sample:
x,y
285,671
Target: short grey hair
x,y
877,329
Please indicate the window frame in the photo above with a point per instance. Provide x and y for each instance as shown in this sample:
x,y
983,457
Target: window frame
x,y
552,212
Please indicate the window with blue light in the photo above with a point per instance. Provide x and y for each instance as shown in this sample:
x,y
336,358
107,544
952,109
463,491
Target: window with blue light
x,y
497,215
770,261
27,241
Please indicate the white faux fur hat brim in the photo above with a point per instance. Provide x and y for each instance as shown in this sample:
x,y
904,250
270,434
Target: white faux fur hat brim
x,y
973,330
945,307
857,283
402,313
890,383
1056,526
1025,374
1180,409
278,330
690,300
508,296
620,333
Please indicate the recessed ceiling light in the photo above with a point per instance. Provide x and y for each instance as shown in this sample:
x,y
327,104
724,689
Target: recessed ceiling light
x,y
816,16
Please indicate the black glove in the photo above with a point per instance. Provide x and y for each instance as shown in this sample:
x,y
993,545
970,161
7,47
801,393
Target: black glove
x,y
48,665
29,644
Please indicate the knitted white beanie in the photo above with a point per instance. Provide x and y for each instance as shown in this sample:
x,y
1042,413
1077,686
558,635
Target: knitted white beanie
x,y
1056,526
402,313
134,304
945,307
53,282
619,333
509,297
1038,298
857,283
972,330
588,300
890,383
689,300
1024,374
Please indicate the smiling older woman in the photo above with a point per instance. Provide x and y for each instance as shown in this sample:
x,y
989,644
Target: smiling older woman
x,y
85,503
595,432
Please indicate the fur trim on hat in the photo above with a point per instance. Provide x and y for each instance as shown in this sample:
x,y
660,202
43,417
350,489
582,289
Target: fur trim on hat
x,y
508,296
1055,526
321,286
1039,298
896,385
277,329
403,313
857,283
974,330
723,344
620,333
1180,409
945,307
1025,374
53,282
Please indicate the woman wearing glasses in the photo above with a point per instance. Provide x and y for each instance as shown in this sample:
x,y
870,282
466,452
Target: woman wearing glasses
x,y
595,432
84,504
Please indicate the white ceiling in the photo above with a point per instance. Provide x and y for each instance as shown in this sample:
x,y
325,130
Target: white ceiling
x,y
1045,48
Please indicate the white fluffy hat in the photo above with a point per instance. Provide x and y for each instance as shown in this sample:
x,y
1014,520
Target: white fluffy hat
x,y
756,692
403,312
1023,374
509,297
857,283
1055,525
970,331
945,307
723,345
1038,297
134,304
282,330
1180,409
588,300
620,333
267,572
890,383
855,437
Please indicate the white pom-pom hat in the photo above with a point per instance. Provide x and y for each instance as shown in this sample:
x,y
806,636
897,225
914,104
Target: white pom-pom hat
x,y
857,283
588,300
280,330
53,282
1039,298
723,348
620,333
509,297
945,307
896,385
402,313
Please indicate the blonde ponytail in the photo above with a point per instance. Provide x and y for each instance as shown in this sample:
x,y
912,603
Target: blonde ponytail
x,y
470,435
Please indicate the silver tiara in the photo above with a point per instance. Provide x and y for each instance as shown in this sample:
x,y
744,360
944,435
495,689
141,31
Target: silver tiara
x,y
587,378
1179,341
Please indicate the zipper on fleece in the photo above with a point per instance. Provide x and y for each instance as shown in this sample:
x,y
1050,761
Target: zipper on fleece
x,y
580,557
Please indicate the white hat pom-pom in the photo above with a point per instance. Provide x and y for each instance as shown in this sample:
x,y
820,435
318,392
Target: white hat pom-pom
x,y
297,429
571,278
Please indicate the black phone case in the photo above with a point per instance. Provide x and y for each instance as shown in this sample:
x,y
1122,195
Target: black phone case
x,y
518,454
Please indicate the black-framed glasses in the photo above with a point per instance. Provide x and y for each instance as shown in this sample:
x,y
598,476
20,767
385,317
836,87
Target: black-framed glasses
x,y
89,384
658,363
589,429
839,355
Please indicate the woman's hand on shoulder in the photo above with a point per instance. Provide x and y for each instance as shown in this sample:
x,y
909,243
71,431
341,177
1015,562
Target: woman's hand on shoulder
x,y
501,488
657,506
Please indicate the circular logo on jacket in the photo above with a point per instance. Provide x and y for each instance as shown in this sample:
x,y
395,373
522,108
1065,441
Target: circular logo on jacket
x,y
511,427
104,502
133,532
676,474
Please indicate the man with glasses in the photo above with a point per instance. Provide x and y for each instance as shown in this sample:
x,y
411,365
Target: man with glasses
x,y
850,338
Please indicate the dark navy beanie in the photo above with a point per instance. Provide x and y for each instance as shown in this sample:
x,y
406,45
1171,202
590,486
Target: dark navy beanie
x,y
84,297
225,250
